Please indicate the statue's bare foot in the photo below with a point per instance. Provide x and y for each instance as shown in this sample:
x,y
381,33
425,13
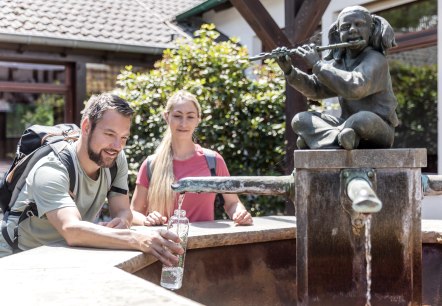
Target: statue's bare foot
x,y
348,139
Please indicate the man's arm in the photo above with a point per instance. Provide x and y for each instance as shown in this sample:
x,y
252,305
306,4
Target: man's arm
x,y
67,221
120,212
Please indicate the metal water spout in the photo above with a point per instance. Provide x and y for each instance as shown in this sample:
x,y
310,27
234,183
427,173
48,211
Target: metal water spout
x,y
359,189
262,185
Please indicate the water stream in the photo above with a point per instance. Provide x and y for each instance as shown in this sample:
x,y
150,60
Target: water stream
x,y
180,200
367,221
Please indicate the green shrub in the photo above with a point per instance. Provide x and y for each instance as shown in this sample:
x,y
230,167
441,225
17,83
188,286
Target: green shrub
x,y
243,108
416,91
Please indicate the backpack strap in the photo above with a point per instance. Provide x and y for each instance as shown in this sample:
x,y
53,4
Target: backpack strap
x,y
30,210
211,160
113,173
66,158
211,163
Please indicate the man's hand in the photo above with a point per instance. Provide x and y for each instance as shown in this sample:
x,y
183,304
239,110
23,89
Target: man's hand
x,y
163,244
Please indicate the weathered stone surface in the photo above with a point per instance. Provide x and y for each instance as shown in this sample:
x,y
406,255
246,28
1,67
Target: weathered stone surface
x,y
380,158
60,275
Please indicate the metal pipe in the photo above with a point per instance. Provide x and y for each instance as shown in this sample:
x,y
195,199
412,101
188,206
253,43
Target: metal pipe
x,y
262,185
431,184
364,199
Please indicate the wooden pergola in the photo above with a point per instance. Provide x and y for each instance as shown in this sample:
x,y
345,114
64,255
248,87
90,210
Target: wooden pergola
x,y
301,20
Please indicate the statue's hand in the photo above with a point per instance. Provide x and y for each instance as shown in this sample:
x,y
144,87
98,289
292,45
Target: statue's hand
x,y
309,54
283,60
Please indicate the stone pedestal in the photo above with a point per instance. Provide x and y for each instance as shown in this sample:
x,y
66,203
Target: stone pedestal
x,y
331,259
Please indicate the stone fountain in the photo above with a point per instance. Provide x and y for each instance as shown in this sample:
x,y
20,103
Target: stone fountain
x,y
334,193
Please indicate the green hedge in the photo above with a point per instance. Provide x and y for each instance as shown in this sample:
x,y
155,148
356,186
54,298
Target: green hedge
x,y
415,88
243,108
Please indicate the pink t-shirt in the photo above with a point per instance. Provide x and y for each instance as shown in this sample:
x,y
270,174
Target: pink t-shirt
x,y
198,206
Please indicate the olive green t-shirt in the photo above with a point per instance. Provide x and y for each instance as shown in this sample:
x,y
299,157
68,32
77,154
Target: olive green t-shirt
x,y
48,186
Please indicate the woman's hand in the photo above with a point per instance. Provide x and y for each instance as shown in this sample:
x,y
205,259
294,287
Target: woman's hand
x,y
155,218
242,217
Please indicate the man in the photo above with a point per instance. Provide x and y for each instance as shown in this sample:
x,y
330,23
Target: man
x,y
105,128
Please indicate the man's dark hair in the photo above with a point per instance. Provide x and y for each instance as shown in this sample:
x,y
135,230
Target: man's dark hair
x,y
98,104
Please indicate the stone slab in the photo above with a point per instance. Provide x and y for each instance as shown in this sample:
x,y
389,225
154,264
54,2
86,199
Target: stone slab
x,y
60,275
374,158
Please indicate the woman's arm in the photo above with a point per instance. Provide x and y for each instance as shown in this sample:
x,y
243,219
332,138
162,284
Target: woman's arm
x,y
236,210
119,211
139,207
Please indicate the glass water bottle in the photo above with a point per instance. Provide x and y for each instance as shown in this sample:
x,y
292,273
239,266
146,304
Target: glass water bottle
x,y
172,277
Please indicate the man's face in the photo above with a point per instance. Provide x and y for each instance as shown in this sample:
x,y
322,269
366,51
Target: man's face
x,y
354,26
108,138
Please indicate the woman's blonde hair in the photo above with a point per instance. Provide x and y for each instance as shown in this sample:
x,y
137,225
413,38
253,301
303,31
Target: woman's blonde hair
x,y
160,196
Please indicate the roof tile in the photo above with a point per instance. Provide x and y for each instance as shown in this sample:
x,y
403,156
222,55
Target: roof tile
x,y
131,22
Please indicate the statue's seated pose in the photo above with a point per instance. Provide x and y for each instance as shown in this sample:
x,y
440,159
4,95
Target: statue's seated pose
x,y
357,75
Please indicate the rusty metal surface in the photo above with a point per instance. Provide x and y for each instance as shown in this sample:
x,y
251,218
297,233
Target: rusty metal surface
x,y
254,274
432,274
432,184
331,254
264,274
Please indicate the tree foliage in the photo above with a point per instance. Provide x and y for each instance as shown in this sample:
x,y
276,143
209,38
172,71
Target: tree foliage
x,y
243,108
416,91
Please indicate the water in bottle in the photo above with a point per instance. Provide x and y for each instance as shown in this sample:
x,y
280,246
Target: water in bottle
x,y
172,277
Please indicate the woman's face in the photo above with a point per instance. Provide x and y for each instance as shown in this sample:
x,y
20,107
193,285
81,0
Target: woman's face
x,y
183,119
355,26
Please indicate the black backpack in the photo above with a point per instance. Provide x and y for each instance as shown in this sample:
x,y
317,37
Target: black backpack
x,y
36,142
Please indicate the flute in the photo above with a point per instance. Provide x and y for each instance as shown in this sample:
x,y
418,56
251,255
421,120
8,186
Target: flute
x,y
265,55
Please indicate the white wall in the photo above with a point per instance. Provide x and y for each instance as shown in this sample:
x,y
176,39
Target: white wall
x,y
231,23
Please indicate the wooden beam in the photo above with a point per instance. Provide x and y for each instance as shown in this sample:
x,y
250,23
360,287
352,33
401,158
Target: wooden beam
x,y
307,16
32,87
262,23
79,86
410,41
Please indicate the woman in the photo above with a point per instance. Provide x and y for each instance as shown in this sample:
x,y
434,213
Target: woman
x,y
177,157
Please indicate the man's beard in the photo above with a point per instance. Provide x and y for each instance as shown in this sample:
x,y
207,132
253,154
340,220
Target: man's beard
x,y
97,157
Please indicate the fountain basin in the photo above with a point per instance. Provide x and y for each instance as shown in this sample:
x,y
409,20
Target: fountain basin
x,y
259,257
